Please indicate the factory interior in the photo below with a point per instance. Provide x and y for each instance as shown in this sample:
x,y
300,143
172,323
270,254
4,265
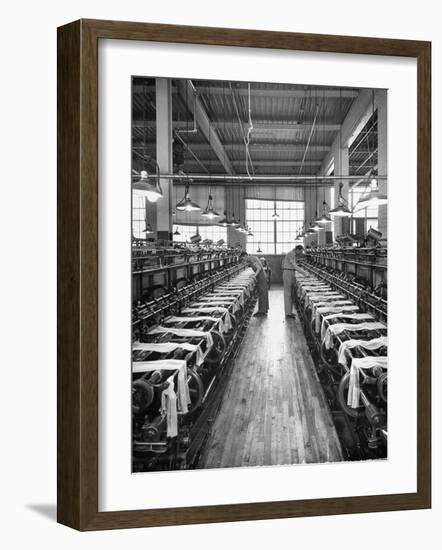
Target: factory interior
x,y
259,274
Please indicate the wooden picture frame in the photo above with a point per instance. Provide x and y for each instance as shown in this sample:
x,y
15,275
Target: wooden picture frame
x,y
78,274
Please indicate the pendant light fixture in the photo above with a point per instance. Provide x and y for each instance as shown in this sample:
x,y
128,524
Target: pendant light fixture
x,y
316,227
324,218
225,221
186,204
148,185
275,214
209,212
341,209
233,223
241,228
148,229
314,224
177,232
259,251
373,198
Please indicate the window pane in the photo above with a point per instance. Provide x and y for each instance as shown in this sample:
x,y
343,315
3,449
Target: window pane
x,y
138,216
259,218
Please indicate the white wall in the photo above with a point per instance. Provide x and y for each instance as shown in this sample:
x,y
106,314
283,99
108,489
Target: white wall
x,y
27,214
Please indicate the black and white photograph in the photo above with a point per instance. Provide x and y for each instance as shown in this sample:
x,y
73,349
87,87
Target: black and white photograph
x,y
259,274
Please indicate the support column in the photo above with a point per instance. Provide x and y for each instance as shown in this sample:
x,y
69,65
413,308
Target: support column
x,y
380,101
164,155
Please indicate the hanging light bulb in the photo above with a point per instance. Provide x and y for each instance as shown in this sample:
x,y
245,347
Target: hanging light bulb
x,y
233,222
259,251
373,198
324,218
224,222
315,225
176,232
148,229
209,212
145,188
342,209
240,227
186,204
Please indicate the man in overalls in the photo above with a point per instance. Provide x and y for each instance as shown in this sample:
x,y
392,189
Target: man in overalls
x,y
261,281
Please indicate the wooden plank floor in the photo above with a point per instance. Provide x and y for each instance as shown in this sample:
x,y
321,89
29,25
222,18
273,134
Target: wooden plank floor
x,y
274,410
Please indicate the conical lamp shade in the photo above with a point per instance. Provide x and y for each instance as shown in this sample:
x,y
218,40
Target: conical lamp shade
x,y
233,222
186,204
224,222
324,218
145,187
373,198
340,211
148,229
209,212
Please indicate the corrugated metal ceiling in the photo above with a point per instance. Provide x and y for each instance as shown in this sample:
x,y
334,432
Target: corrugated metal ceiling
x,y
282,117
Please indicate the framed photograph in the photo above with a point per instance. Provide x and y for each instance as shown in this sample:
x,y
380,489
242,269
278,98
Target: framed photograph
x,y
243,275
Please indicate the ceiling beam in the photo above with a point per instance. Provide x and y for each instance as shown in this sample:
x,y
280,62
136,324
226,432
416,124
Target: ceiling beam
x,y
254,147
268,147
296,93
266,163
204,125
257,125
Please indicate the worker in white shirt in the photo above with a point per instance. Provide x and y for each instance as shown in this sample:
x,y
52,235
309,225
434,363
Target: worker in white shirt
x,y
261,280
289,266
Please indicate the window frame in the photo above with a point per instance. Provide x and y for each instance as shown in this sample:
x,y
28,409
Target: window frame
x,y
277,242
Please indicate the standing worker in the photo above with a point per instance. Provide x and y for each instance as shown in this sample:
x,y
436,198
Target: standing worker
x,y
289,266
267,270
261,279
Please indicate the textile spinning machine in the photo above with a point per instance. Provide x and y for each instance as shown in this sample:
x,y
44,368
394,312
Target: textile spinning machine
x,y
345,321
183,343
158,271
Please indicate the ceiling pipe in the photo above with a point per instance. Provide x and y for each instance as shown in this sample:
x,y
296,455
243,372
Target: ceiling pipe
x,y
271,177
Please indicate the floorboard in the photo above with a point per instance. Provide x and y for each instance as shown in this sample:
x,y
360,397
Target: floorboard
x,y
274,410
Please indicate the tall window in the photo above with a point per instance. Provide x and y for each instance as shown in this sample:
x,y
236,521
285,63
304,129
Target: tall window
x,y
273,235
138,216
212,232
369,214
